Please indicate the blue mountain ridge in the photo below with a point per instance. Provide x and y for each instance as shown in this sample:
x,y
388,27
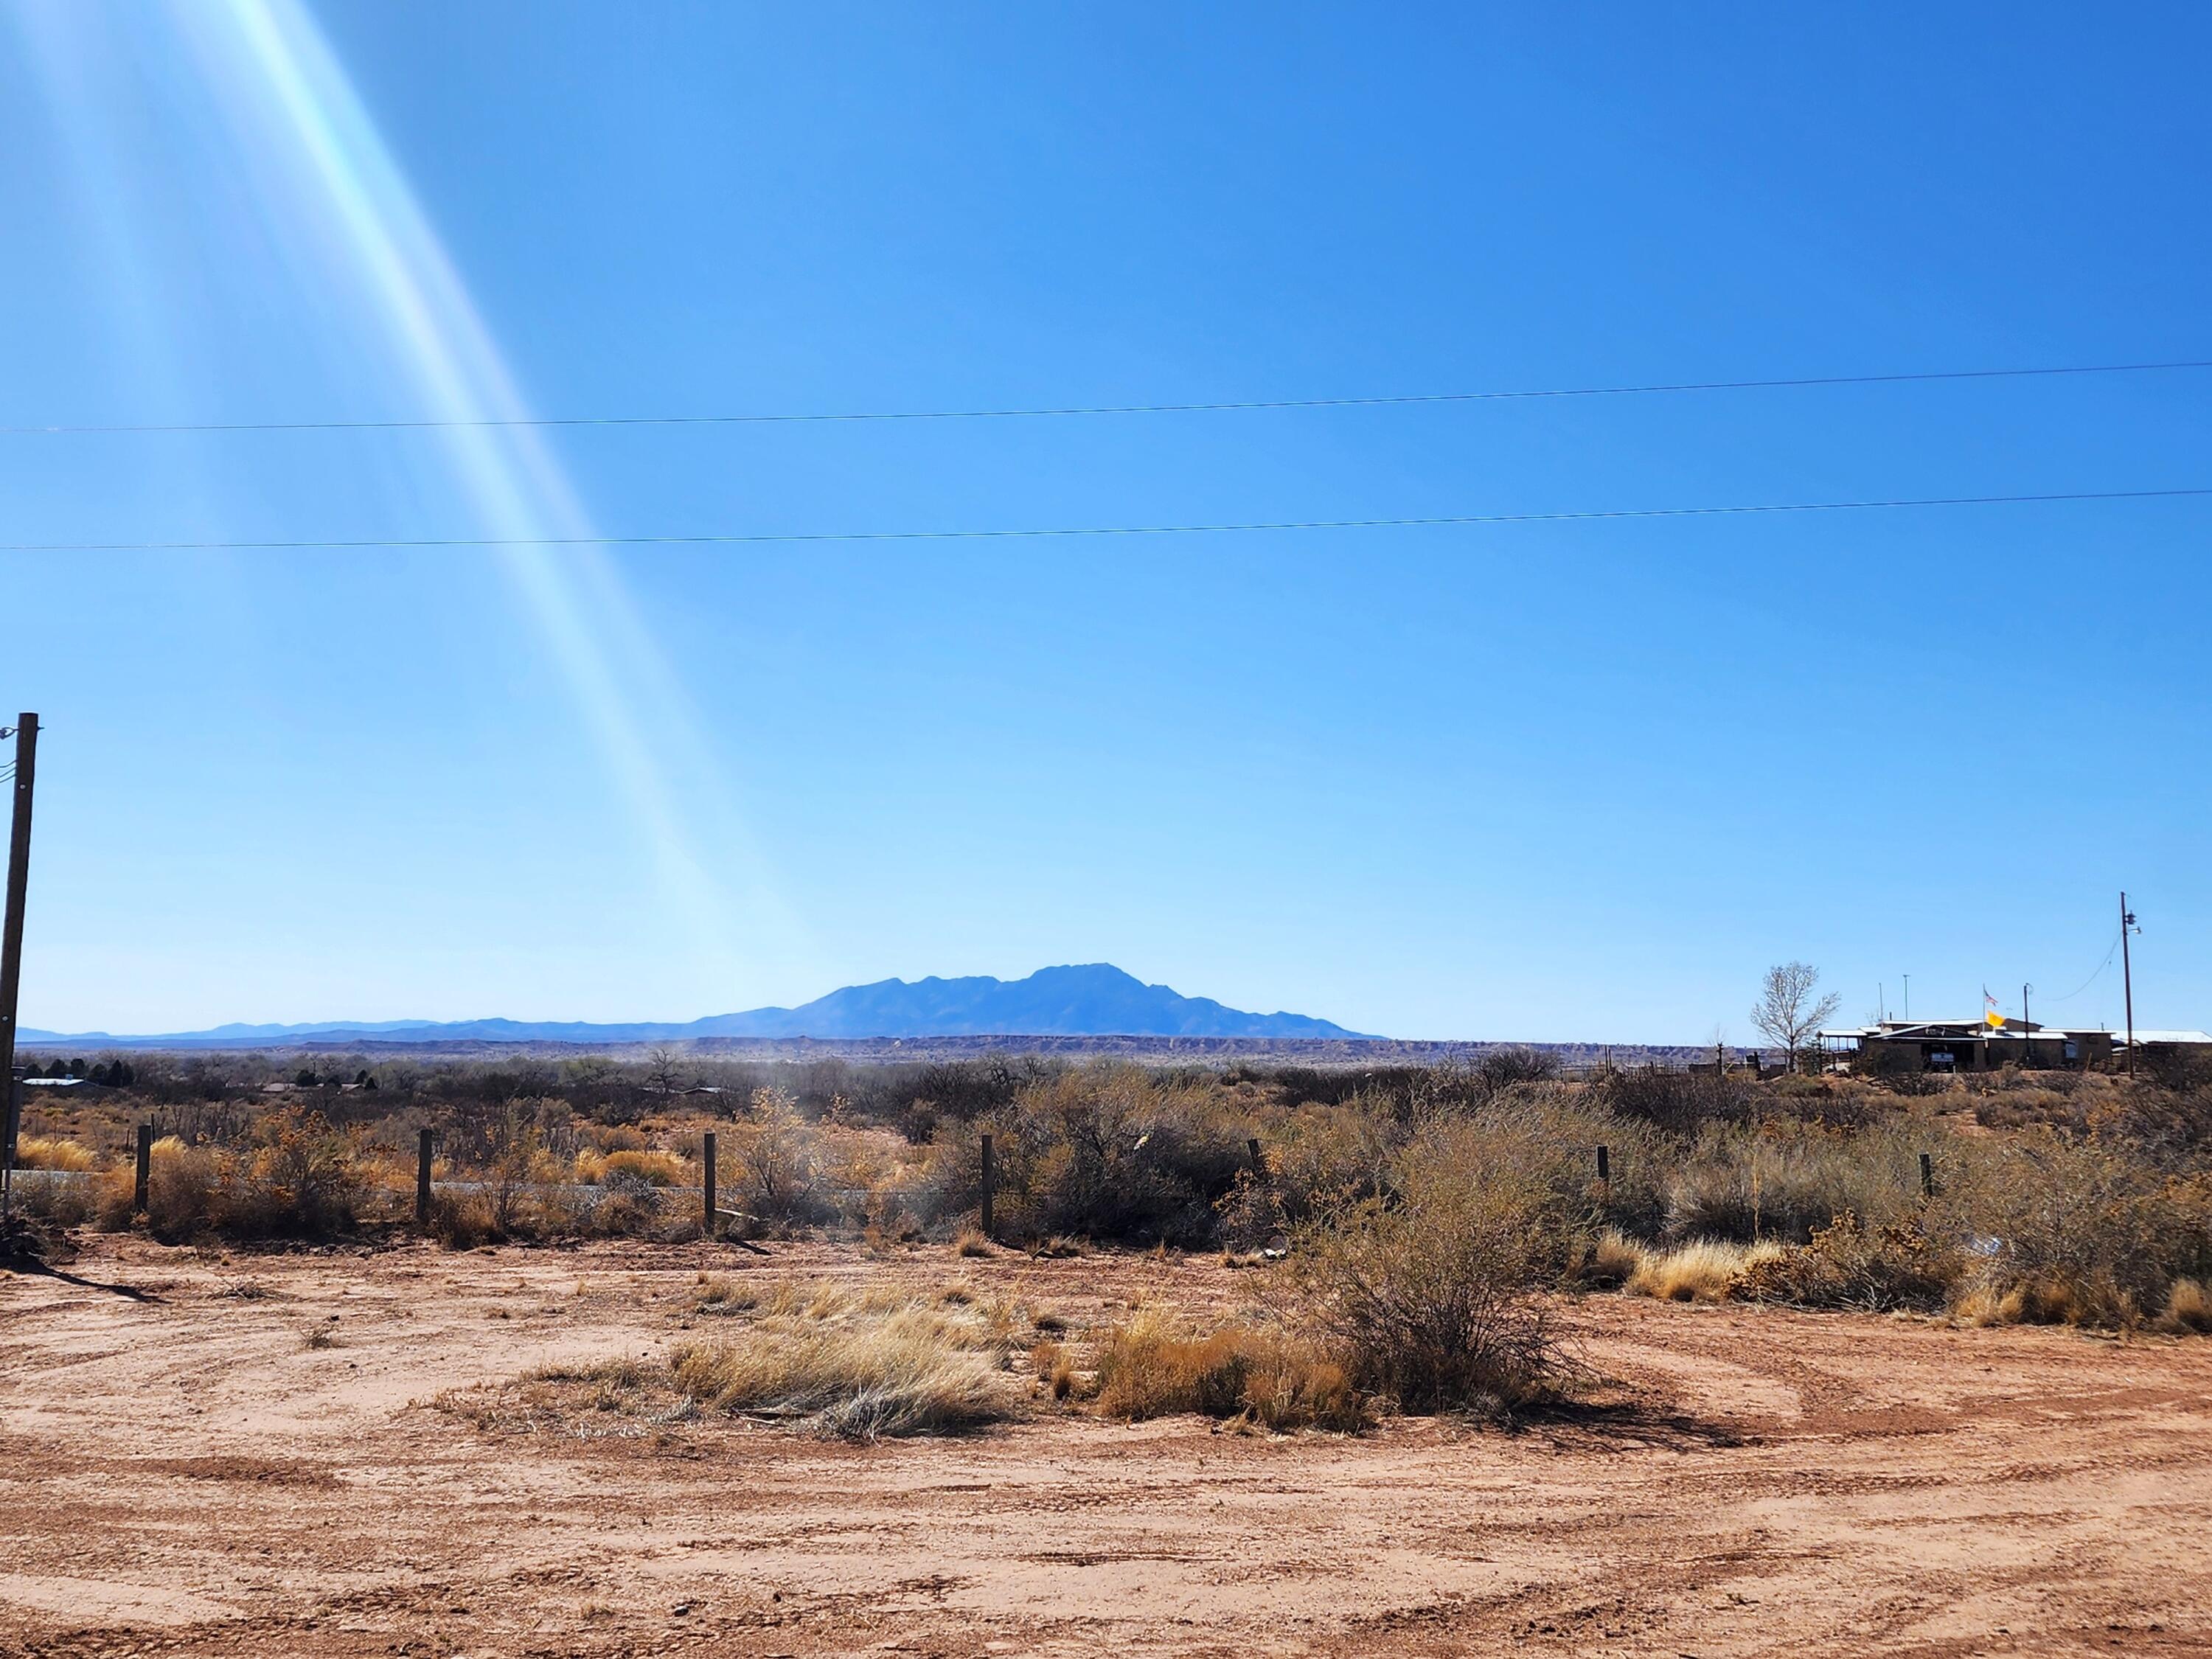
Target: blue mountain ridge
x,y
1091,1000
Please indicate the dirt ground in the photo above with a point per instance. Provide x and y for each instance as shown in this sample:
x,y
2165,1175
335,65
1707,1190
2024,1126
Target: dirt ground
x,y
185,1472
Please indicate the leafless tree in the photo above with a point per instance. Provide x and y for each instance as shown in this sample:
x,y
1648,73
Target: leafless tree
x,y
662,1076
1786,1010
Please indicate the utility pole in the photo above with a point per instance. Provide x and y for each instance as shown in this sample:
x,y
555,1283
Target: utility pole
x,y
11,945
2026,1030
1908,999
2126,972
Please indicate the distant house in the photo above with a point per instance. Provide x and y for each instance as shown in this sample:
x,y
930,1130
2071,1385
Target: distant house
x,y
1974,1045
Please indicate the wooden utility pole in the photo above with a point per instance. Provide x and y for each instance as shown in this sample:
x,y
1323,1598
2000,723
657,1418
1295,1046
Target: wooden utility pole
x,y
2126,972
423,1145
11,937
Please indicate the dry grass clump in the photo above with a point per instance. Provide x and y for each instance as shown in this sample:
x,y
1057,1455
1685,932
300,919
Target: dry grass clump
x,y
2188,1307
654,1169
856,1364
971,1242
1154,1366
51,1153
1705,1270
847,1362
1613,1260
718,1293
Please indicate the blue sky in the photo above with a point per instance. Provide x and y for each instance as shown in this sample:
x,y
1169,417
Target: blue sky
x,y
1548,782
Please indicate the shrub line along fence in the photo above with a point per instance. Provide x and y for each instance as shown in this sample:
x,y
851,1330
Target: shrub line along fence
x,y
712,1217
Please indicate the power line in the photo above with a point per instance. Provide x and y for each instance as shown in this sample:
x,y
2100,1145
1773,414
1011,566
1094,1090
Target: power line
x,y
2093,978
1050,411
1434,520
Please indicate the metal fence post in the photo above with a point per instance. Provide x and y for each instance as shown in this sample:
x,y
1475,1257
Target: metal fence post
x,y
145,1169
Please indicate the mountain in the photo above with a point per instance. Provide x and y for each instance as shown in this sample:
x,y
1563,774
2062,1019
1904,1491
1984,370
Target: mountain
x,y
1095,1000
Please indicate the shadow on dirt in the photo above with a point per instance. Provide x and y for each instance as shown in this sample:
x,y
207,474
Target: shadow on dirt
x,y
1623,1423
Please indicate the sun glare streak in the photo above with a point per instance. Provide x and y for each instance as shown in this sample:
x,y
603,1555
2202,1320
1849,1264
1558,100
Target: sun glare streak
x,y
324,173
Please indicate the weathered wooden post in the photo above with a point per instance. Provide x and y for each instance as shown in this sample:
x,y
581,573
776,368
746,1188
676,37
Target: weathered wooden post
x,y
986,1186
1259,1162
714,1142
1604,1168
423,1178
145,1169
1927,1175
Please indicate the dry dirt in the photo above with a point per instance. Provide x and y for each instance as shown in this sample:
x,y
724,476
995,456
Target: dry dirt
x,y
184,1473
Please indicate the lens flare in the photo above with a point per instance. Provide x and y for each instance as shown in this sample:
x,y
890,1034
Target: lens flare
x,y
342,209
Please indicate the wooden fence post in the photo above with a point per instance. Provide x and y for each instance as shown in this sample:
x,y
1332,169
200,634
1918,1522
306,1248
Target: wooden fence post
x,y
1260,1162
1927,1175
423,1178
1604,1168
714,1143
145,1169
987,1186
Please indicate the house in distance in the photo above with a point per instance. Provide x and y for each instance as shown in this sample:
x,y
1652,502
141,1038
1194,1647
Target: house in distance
x,y
1982,1045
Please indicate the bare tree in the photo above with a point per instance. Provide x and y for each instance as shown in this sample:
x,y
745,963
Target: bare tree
x,y
662,1076
1785,1010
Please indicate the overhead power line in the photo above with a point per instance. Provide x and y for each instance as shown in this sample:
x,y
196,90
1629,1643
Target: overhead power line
x,y
1047,411
1423,521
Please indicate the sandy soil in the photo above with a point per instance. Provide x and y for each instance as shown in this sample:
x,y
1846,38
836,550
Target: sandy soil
x,y
185,1474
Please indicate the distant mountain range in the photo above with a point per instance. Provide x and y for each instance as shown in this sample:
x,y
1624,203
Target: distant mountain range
x,y
1097,999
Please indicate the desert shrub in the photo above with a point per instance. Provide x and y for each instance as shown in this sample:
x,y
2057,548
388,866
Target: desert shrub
x,y
1787,1178
462,1221
1104,1150
771,1163
2075,1230
298,1177
1677,1102
1429,1291
1319,1158
1849,1265
53,1199
1152,1366
1500,1069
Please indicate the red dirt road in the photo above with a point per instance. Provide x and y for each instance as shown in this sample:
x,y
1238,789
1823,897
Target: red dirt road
x,y
183,1473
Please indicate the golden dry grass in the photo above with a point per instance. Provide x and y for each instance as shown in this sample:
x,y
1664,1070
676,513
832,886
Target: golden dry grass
x,y
2188,1307
51,1153
1613,1259
858,1364
1154,1366
656,1168
1705,1270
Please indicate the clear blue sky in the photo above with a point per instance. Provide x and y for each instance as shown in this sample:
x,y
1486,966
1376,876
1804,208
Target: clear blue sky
x,y
1558,781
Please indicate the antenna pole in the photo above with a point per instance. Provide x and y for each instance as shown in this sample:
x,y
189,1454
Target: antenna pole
x,y
11,945
2127,976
